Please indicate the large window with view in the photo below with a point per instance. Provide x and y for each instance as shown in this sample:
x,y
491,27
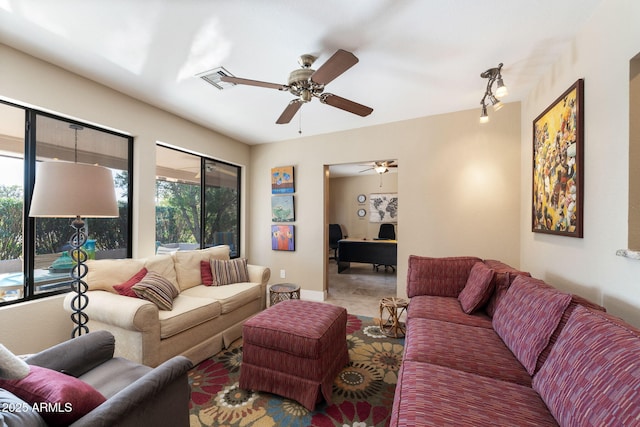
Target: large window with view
x,y
197,202
34,253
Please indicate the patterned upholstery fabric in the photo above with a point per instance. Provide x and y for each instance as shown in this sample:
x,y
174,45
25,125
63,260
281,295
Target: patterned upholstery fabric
x,y
438,276
475,350
527,316
478,289
576,300
432,395
502,279
447,309
295,349
592,374
226,272
155,288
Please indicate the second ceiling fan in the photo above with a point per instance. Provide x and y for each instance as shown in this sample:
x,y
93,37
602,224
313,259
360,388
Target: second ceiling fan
x,y
307,83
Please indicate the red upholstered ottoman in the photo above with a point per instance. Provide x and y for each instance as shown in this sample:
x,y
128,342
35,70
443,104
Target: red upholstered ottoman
x,y
295,349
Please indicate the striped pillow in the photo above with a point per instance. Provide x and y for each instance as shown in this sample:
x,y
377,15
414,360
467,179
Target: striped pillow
x,y
225,272
156,289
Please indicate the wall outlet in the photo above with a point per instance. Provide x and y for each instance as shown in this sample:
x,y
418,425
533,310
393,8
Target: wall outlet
x,y
283,275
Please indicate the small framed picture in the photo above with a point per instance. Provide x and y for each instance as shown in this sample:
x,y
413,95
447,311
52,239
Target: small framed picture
x,y
282,238
282,181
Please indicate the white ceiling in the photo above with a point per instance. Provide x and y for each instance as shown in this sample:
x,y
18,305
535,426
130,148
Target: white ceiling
x,y
417,57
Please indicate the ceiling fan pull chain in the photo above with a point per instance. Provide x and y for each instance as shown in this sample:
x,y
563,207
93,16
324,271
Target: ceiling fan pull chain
x,y
300,121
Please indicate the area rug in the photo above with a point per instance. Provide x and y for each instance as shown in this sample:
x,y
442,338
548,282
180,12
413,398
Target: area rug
x,y
362,392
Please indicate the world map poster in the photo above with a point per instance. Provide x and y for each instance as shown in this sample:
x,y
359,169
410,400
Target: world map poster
x,y
383,207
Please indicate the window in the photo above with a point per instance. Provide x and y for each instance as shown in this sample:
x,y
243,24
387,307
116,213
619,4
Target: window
x,y
34,257
197,202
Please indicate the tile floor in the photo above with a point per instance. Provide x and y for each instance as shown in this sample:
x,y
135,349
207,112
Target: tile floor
x,y
360,288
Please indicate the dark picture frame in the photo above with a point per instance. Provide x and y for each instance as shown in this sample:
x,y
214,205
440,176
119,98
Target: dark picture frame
x,y
558,165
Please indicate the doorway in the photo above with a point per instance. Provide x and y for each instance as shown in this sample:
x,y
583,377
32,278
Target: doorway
x,y
349,203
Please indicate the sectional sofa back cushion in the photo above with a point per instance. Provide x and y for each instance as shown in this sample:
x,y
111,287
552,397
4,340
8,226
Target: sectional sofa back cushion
x,y
187,264
444,277
592,374
527,316
478,289
576,301
502,280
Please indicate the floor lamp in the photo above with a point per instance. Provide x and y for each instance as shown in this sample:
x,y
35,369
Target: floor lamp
x,y
75,190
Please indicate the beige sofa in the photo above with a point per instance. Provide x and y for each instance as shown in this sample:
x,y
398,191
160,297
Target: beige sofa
x,y
203,320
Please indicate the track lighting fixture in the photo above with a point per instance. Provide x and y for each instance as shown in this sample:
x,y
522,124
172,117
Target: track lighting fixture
x,y
494,76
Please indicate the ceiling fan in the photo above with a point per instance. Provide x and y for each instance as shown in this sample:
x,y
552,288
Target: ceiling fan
x,y
305,83
381,167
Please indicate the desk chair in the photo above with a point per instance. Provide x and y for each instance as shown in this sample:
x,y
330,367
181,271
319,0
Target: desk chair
x,y
386,232
335,234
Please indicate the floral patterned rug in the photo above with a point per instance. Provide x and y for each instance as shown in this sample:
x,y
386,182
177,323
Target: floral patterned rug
x,y
362,392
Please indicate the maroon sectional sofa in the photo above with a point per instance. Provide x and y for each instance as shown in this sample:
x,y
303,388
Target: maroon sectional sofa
x,y
488,345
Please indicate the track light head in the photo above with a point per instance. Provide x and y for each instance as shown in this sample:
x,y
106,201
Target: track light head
x,y
493,75
484,117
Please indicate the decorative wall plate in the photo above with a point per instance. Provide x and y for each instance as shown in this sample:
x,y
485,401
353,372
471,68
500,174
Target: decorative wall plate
x,y
362,198
362,213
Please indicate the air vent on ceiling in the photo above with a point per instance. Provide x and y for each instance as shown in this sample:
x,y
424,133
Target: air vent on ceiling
x,y
213,77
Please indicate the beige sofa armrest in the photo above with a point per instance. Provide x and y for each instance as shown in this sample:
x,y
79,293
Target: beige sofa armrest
x,y
128,313
259,274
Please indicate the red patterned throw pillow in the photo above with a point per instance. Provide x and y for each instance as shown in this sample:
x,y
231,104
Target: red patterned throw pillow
x,y
226,272
62,398
527,316
125,288
478,289
156,289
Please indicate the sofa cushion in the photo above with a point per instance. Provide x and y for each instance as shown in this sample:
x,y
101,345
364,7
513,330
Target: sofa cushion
x,y
447,309
11,366
438,276
155,288
478,289
186,313
527,316
164,266
15,412
230,297
592,374
187,264
205,273
126,287
226,272
105,273
576,301
502,280
432,395
70,397
464,348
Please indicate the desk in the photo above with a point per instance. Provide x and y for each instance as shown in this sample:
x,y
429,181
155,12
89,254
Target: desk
x,y
384,252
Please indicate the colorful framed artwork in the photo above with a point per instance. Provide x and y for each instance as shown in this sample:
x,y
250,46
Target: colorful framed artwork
x,y
383,207
282,209
282,238
557,204
282,181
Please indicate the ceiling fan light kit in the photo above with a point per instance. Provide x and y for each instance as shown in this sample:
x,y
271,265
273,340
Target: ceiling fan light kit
x,y
494,75
306,83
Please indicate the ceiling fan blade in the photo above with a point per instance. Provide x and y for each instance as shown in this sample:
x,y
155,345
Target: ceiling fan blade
x,y
364,170
345,104
240,81
340,62
289,112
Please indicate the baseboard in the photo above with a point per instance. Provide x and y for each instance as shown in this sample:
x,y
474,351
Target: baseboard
x,y
318,296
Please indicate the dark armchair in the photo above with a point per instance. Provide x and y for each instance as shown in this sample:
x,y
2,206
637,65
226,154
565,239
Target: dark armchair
x,y
335,234
137,395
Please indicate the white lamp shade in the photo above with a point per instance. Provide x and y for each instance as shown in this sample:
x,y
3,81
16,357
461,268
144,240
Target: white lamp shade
x,y
67,190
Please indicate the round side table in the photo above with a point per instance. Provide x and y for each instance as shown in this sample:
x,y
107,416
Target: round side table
x,y
391,309
283,292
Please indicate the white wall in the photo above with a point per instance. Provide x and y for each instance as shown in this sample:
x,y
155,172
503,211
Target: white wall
x,y
600,54
36,83
458,188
